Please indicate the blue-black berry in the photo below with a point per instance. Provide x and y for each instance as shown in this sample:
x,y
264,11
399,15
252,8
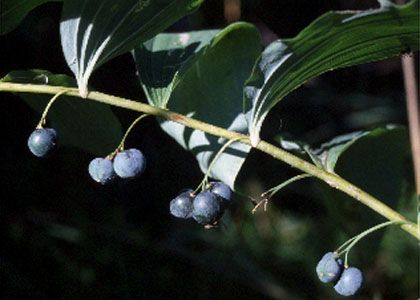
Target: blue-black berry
x,y
182,206
206,208
222,190
101,170
129,163
350,282
42,141
329,267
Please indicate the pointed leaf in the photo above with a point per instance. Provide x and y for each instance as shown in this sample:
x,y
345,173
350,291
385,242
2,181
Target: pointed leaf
x,y
165,59
94,31
329,153
379,163
12,12
335,40
88,125
299,148
208,88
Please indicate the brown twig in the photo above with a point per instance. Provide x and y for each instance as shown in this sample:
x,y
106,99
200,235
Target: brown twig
x,y
412,102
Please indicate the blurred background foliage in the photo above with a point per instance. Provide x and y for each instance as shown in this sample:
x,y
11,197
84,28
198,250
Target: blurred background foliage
x,y
64,237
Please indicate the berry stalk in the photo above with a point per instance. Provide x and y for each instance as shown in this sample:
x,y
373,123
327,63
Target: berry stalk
x,y
122,144
47,108
267,195
204,182
348,245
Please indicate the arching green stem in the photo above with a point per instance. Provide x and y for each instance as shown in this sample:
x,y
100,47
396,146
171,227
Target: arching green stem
x,y
331,179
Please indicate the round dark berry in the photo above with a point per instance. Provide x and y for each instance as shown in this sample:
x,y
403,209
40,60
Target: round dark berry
x,y
182,206
206,208
101,170
129,163
42,141
221,189
350,282
329,267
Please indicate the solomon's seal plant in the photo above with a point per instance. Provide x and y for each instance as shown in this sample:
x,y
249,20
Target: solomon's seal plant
x,y
211,91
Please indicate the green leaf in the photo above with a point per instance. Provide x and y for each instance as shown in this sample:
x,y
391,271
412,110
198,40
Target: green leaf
x,y
378,162
209,87
12,12
335,40
329,153
165,59
94,31
88,125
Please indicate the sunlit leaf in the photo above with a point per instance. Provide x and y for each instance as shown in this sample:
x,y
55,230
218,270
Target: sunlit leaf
x,y
335,40
165,59
209,88
94,31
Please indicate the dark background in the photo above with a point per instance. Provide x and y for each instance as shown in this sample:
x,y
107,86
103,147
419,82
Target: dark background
x,y
64,237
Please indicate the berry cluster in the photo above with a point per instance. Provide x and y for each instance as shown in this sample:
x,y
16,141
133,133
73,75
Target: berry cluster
x,y
126,164
207,207
347,280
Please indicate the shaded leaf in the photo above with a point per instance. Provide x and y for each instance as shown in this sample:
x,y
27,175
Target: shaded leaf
x,y
300,148
12,12
88,125
210,89
377,162
329,153
335,40
94,31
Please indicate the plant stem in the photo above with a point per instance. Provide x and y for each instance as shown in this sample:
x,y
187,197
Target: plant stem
x,y
47,108
331,179
412,101
122,144
277,188
354,240
204,182
413,112
271,192
127,132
